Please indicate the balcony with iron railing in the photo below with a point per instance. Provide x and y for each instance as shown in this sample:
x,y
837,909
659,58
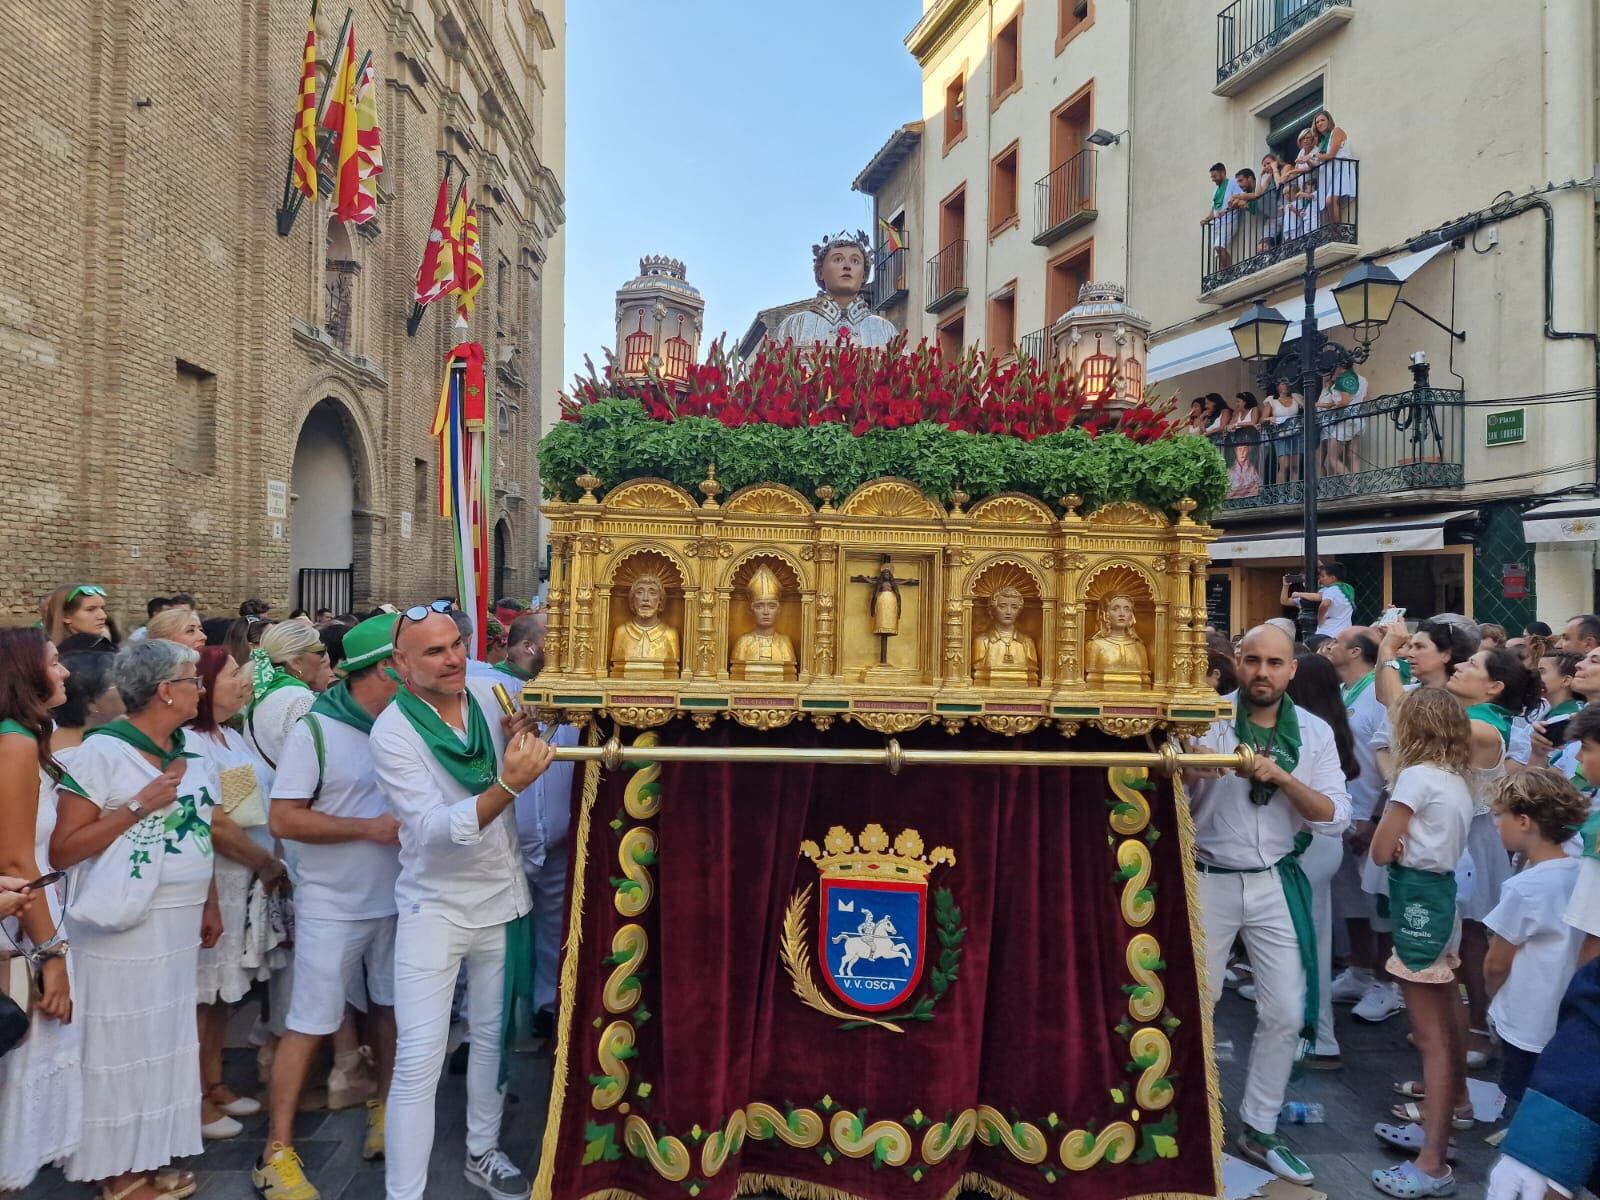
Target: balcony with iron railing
x,y
947,277
1409,441
1317,210
1035,346
889,278
1064,199
1253,35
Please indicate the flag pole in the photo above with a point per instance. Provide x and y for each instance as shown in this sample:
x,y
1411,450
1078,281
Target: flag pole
x,y
325,146
418,311
292,199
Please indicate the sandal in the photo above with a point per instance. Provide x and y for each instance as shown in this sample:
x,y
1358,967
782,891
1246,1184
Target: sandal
x,y
1411,1089
176,1183
1407,1182
1408,1137
1412,1111
133,1188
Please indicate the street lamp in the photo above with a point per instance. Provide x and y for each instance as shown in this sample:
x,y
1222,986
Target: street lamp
x,y
1366,299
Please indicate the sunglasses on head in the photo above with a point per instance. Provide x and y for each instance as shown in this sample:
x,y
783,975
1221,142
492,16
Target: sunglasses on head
x,y
419,612
85,589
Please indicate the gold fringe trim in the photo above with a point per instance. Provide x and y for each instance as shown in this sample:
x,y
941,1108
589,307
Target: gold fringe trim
x,y
972,1181
607,1194
1197,937
569,990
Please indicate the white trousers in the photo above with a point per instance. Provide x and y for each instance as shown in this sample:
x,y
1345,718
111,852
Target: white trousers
x,y
1321,862
1252,906
428,953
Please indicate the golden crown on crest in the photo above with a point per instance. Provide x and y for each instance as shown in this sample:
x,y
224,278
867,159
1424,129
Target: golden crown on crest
x,y
872,857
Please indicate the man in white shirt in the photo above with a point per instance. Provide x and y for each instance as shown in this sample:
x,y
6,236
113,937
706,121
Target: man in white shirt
x,y
1335,599
326,799
1247,846
1222,216
451,776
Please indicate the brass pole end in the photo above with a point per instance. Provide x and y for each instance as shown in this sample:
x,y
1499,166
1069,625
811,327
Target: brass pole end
x,y
1247,758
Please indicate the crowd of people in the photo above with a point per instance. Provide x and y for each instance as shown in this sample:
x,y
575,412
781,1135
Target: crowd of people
x,y
1418,834
324,822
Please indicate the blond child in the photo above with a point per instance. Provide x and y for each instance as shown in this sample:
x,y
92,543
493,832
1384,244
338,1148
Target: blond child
x,y
1533,951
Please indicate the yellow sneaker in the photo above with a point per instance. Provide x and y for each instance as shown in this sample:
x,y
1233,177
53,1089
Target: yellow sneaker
x,y
281,1176
373,1147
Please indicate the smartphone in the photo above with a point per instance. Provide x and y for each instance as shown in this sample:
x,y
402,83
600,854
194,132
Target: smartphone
x,y
1555,732
1392,615
43,881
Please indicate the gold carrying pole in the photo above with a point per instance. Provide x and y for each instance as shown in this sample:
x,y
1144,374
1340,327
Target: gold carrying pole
x,y
1167,759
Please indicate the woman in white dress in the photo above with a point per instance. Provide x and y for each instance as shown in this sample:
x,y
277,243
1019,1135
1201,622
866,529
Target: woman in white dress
x,y
41,1084
1282,407
134,827
244,854
1336,172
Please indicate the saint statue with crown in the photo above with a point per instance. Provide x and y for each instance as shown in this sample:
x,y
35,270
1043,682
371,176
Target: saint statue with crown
x,y
842,264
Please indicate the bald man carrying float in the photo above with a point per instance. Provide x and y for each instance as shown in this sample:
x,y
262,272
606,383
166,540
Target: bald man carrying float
x,y
451,774
1249,834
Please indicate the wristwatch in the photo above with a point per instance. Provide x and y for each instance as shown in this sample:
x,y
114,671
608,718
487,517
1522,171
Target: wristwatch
x,y
136,809
1392,663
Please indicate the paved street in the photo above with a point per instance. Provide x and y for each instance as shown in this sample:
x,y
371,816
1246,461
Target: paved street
x,y
1342,1152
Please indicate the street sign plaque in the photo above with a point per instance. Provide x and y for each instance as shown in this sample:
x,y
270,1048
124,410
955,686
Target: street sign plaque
x,y
1506,427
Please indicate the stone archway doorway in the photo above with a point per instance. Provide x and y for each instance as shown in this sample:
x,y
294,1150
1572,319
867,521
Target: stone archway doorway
x,y
322,546
502,568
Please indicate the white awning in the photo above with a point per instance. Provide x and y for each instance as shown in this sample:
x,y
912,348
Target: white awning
x,y
1576,520
1338,537
1213,344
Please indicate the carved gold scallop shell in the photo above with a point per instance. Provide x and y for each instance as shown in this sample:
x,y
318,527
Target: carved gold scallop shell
x,y
768,499
654,494
890,498
1011,509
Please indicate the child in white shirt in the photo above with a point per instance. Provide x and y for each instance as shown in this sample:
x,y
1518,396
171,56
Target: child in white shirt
x,y
1533,952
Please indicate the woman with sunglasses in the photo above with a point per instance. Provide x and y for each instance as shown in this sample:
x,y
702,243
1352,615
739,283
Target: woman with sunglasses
x,y
41,1084
134,827
75,618
289,669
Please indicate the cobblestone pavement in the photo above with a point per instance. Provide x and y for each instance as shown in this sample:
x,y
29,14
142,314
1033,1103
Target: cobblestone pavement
x,y
1342,1152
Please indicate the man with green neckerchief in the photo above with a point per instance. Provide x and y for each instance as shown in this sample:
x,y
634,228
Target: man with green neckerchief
x,y
451,774
1249,834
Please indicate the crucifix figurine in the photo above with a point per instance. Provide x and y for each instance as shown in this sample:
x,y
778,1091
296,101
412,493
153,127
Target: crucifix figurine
x,y
885,606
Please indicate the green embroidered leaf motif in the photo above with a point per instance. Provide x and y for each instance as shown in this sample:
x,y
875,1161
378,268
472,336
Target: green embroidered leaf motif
x,y
626,886
646,858
1166,1147
602,1081
643,1091
1117,1096
599,1144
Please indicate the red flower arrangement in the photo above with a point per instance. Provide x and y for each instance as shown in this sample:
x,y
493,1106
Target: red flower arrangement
x,y
889,388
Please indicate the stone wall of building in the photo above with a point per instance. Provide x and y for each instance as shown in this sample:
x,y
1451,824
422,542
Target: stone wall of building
x,y
161,347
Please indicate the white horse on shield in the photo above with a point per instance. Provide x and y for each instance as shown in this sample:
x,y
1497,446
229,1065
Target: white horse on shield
x,y
882,942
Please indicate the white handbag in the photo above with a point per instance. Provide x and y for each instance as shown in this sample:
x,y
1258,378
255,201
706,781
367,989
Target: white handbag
x,y
114,891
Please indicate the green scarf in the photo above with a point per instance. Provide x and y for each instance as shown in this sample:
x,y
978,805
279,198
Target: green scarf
x,y
507,667
1282,742
11,725
1216,197
337,704
1493,714
472,765
1297,895
1351,692
1349,592
125,731
516,1012
1322,142
1590,833
267,677
1422,908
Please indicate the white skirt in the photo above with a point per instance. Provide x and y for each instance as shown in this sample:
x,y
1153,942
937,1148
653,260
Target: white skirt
x,y
134,1002
1491,867
221,975
41,1099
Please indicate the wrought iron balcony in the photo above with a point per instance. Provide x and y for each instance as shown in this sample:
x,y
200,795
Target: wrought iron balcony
x,y
1409,441
1316,208
1252,32
1064,199
947,277
1035,345
889,278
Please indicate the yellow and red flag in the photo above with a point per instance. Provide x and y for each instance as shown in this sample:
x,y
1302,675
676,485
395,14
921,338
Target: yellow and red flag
x,y
305,119
470,264
341,118
892,239
437,275
369,145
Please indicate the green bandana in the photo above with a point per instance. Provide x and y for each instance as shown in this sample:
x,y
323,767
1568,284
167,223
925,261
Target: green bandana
x,y
267,678
1590,832
507,667
1422,908
125,731
337,704
1349,592
1565,709
1351,692
1282,742
472,765
1493,714
1216,197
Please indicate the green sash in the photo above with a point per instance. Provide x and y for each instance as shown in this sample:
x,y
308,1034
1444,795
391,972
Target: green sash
x,y
1590,832
125,731
1349,593
516,1013
472,764
1282,742
1422,908
1351,692
337,704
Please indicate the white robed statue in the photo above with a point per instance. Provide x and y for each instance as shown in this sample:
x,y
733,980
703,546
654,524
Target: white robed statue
x,y
842,265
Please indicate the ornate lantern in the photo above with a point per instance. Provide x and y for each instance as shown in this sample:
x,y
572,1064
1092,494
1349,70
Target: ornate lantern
x,y
1103,342
659,318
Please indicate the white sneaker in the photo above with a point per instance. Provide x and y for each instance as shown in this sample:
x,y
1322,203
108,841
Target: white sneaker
x,y
1350,985
220,1130
1380,1003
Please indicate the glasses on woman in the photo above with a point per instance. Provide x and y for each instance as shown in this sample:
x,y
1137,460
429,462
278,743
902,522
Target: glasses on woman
x,y
85,589
199,684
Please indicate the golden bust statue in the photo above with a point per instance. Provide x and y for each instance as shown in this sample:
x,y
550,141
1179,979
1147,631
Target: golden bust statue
x,y
1005,656
763,653
1116,659
644,647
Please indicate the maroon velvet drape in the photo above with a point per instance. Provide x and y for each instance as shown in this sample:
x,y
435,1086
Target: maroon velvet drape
x,y
1035,1024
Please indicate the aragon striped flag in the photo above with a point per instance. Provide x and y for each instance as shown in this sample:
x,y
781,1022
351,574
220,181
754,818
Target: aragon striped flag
x,y
437,275
341,118
369,146
305,119
470,256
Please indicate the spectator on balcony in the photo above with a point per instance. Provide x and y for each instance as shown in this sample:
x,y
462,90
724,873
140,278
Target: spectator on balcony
x,y
1299,188
1336,170
1219,417
1340,432
1282,408
1222,217
1195,422
1246,410
1262,197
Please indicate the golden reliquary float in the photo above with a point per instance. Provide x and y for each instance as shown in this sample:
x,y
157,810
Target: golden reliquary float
x,y
887,609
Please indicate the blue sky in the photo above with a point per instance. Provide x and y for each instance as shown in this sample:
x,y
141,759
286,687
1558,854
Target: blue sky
x,y
724,133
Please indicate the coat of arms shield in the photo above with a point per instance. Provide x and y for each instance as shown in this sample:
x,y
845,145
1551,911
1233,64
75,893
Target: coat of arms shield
x,y
872,939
